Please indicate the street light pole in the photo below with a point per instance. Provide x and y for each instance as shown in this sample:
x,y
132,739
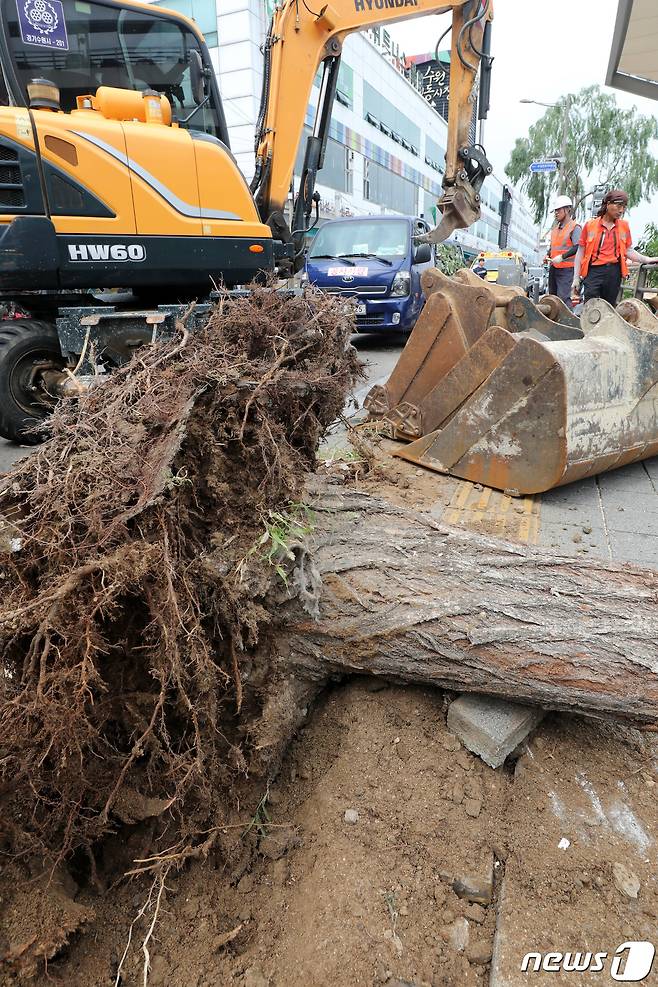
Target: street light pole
x,y
566,110
565,138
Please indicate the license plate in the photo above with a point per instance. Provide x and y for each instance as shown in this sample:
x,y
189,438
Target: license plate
x,y
360,310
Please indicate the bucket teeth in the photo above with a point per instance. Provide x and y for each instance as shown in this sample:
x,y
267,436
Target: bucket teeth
x,y
377,401
535,402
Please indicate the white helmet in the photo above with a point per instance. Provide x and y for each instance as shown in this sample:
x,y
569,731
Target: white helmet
x,y
563,202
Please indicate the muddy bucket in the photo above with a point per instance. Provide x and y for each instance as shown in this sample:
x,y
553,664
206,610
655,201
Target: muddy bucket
x,y
551,412
462,335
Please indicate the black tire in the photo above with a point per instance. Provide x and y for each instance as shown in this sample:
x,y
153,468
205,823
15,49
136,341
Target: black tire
x,y
27,347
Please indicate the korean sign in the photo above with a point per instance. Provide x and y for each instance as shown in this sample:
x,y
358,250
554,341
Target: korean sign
x,y
42,23
434,79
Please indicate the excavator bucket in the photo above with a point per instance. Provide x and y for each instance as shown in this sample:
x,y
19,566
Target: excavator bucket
x,y
453,347
531,404
454,317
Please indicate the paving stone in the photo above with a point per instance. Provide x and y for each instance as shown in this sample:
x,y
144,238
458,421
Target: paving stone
x,y
635,503
651,466
634,547
633,478
581,495
560,538
582,514
637,521
489,727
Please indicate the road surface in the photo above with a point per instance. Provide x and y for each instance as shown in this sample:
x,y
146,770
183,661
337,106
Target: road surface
x,y
614,516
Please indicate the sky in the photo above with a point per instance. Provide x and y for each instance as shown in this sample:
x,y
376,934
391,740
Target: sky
x,y
543,49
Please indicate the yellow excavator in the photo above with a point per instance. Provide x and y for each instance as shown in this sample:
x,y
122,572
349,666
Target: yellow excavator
x,y
120,200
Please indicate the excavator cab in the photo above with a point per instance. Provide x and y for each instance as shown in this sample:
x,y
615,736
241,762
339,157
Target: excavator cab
x,y
90,197
81,46
120,200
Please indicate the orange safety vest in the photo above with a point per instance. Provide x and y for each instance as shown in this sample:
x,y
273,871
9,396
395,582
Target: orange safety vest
x,y
561,241
594,229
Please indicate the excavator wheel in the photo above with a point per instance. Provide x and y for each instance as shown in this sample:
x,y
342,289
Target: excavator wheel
x,y
29,354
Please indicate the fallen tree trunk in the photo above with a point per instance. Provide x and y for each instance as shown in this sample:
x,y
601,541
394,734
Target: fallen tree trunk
x,y
409,599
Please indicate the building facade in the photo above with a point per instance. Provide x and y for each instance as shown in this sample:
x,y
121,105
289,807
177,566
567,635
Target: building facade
x,y
386,146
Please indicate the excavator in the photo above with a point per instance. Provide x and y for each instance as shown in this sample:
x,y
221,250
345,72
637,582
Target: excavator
x,y
120,200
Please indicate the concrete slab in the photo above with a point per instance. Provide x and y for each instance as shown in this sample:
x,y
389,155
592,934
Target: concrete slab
x,y
635,547
637,521
491,728
651,466
581,496
630,502
561,538
587,515
633,478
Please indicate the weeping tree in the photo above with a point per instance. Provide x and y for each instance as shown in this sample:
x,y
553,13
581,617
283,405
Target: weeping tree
x,y
648,244
606,145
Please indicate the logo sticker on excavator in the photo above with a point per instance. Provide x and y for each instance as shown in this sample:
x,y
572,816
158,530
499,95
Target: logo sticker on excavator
x,y
361,5
95,252
42,23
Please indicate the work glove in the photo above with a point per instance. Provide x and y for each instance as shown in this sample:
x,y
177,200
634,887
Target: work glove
x,y
557,259
575,289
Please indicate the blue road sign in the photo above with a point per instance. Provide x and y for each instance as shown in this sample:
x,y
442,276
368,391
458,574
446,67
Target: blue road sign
x,y
543,166
42,23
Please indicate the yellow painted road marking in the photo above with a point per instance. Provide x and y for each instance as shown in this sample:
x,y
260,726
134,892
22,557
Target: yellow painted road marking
x,y
494,512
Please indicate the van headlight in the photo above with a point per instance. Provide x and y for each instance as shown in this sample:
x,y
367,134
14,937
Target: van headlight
x,y
401,284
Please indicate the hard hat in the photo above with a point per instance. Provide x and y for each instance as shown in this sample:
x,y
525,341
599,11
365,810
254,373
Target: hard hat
x,y
563,202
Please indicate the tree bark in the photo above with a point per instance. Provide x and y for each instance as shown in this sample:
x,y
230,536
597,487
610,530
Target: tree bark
x,y
409,599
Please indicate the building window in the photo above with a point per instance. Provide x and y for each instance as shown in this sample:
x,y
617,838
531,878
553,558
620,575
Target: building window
x,y
345,85
204,12
434,154
388,189
391,120
334,171
349,170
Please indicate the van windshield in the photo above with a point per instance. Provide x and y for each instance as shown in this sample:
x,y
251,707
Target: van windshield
x,y
80,46
381,238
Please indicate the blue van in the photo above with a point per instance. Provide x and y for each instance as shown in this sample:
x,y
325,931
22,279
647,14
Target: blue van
x,y
374,259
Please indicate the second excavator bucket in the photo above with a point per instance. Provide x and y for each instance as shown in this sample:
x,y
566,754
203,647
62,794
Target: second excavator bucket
x,y
530,404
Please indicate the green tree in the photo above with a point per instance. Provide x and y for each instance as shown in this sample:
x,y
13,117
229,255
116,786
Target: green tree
x,y
606,145
648,244
449,259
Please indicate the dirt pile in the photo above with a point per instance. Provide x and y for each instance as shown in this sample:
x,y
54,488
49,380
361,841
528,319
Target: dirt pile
x,y
130,583
302,897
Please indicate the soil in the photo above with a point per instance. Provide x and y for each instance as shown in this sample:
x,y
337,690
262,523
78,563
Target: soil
x,y
312,899
345,869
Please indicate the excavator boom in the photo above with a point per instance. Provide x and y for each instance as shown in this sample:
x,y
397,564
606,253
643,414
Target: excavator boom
x,y
299,40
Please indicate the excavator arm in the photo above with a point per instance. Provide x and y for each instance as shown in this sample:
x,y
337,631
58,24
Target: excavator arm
x,y
305,33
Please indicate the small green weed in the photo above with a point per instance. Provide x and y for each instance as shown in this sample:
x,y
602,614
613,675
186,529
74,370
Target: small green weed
x,y
260,819
338,455
389,898
283,529
180,479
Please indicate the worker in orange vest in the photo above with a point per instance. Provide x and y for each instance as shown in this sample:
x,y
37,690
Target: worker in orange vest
x,y
565,237
604,250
